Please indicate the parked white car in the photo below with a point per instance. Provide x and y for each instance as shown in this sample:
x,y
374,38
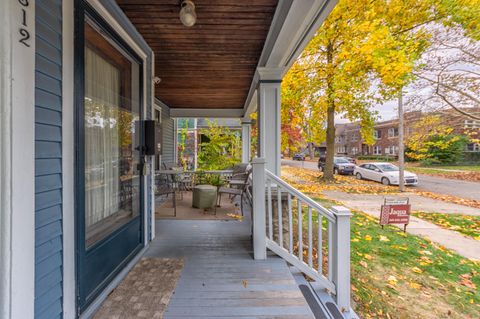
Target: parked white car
x,y
385,173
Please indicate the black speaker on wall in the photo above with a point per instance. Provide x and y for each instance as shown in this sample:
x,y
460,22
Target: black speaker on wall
x,y
150,137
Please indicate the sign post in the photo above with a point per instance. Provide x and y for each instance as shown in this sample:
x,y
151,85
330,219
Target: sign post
x,y
395,211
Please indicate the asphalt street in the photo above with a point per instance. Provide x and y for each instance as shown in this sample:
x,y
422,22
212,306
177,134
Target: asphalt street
x,y
463,189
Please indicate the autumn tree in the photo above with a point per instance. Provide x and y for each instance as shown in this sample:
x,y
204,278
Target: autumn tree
x,y
434,142
449,76
294,123
365,53
361,55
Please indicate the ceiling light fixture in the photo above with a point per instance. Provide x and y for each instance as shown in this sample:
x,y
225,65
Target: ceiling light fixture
x,y
187,13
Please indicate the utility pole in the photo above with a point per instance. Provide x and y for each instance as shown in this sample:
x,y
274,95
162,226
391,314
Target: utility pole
x,y
401,147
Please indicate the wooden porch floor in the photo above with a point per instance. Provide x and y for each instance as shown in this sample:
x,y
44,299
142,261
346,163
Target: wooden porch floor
x,y
220,278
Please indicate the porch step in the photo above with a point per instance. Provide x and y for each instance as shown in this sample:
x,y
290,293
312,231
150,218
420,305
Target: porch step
x,y
321,303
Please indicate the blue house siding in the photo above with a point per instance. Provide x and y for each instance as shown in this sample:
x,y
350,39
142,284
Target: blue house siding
x,y
48,160
168,137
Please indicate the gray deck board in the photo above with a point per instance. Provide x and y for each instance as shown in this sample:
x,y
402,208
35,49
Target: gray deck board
x,y
220,279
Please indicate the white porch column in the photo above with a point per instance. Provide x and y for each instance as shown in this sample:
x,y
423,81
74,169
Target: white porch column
x,y
246,140
258,209
268,93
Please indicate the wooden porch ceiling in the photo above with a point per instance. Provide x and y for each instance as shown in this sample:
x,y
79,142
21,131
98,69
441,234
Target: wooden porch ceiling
x,y
210,65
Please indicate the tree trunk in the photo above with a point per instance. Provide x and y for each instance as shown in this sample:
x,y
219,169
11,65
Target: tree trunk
x,y
311,150
328,171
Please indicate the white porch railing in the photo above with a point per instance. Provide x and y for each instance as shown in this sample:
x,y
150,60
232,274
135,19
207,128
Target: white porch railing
x,y
314,239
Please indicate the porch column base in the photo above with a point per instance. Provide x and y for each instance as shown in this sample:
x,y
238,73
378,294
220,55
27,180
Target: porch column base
x,y
258,211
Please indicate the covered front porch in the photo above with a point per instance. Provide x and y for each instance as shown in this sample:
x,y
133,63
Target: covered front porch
x,y
227,67
93,79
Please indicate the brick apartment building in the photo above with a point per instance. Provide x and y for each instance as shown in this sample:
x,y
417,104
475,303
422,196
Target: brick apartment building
x,y
348,139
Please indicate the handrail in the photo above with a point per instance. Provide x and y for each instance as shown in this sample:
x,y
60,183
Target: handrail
x,y
277,207
307,200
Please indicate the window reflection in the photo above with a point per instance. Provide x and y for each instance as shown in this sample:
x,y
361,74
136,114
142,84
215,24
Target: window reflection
x,y
112,181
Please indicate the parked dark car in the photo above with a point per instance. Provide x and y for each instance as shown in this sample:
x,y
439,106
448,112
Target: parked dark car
x,y
340,165
299,157
350,159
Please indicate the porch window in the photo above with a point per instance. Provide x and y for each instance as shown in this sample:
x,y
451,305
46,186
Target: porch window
x,y
111,111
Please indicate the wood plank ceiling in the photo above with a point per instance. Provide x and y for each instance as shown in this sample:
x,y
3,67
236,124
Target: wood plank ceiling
x,y
210,65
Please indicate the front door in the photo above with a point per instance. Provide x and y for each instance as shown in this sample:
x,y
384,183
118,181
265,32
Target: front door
x,y
109,187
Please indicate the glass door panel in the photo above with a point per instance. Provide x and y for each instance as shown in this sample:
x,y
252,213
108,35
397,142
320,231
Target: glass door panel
x,y
112,108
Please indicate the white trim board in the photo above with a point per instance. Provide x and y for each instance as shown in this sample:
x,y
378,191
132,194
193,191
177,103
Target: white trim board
x,y
17,170
68,159
5,161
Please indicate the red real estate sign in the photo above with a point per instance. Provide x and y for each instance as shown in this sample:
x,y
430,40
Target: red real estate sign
x,y
395,214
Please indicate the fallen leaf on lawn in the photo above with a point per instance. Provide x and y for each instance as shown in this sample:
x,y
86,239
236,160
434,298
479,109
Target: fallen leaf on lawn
x,y
425,252
467,282
417,270
424,260
367,256
392,280
355,240
414,285
363,264
384,238
368,237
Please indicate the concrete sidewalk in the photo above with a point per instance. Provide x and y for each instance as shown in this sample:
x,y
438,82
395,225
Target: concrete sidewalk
x,y
370,204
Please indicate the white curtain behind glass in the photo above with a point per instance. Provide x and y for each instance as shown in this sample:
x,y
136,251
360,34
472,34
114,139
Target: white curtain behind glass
x,y
102,165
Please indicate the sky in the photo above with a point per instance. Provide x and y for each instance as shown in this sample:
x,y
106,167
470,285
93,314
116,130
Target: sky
x,y
386,111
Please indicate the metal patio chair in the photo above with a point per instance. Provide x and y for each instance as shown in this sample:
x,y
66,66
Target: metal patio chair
x,y
236,191
165,186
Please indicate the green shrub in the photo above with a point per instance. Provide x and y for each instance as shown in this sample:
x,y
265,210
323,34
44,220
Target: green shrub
x,y
222,148
380,158
445,149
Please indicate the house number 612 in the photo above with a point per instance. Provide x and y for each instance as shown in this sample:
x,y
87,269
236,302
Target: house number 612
x,y
24,34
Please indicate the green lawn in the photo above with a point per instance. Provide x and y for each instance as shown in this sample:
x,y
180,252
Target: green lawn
x,y
444,169
464,224
397,275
